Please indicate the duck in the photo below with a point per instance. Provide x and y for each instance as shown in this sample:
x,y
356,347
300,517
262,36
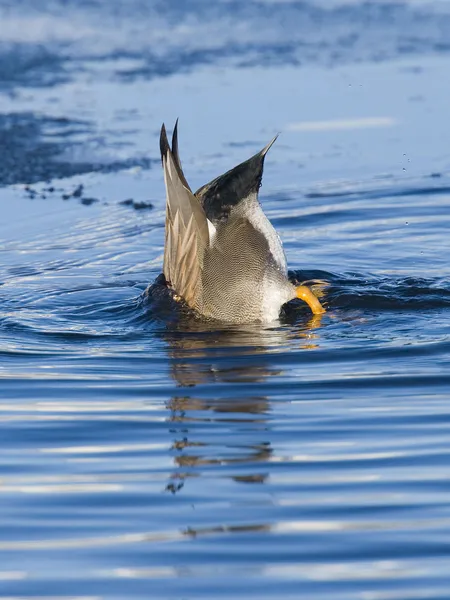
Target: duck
x,y
222,255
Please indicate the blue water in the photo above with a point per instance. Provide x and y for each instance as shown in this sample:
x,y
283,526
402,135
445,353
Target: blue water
x,y
148,455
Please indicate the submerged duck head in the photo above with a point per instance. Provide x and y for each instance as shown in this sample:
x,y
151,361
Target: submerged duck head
x,y
222,254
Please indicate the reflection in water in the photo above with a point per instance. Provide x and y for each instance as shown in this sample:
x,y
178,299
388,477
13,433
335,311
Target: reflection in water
x,y
232,356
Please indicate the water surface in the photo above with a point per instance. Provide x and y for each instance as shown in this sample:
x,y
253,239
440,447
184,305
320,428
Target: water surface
x,y
144,456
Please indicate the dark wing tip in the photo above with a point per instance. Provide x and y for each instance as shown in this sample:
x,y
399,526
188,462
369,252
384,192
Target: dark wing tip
x,y
176,156
266,148
163,142
175,144
175,134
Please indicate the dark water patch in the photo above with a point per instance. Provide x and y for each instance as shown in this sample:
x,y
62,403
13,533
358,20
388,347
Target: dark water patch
x,y
137,204
77,193
27,155
88,201
23,271
33,149
153,66
30,65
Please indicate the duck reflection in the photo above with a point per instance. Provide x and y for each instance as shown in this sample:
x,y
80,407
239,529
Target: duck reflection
x,y
227,373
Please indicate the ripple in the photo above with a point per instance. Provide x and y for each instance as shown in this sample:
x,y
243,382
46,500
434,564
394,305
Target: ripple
x,y
147,452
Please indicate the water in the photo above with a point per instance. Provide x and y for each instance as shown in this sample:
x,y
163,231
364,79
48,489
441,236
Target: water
x,y
146,456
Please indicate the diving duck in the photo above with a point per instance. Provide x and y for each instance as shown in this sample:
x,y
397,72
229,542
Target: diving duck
x,y
222,255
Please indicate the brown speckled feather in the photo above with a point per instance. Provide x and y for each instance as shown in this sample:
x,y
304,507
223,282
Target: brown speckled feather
x,y
187,234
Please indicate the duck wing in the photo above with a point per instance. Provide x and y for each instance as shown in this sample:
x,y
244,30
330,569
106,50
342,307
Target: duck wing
x,y
186,235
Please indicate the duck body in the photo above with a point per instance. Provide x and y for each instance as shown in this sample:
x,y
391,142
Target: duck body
x,y
248,254
222,255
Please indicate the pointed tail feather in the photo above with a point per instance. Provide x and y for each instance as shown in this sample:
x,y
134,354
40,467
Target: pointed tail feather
x,y
220,196
187,234
176,156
